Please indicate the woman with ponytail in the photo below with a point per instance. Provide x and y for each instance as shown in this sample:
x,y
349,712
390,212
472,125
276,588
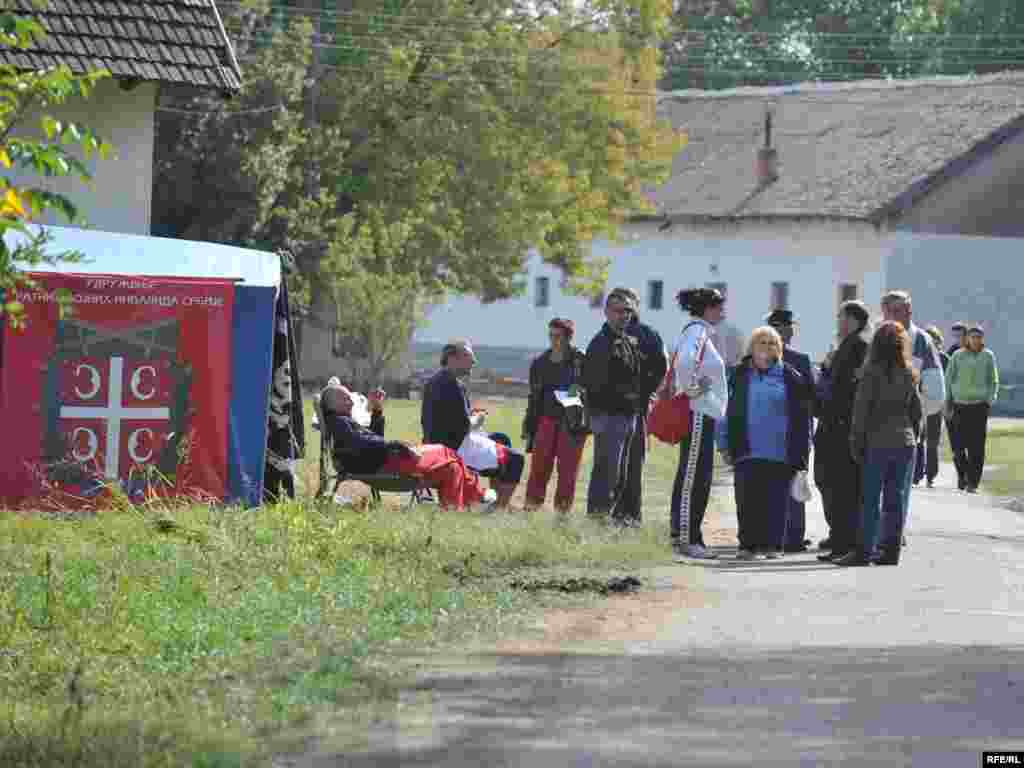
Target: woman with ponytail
x,y
700,373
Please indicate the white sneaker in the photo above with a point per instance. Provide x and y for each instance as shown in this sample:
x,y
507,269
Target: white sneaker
x,y
746,554
490,498
697,552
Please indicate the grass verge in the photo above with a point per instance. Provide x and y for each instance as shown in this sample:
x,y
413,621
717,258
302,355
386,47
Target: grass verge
x,y
202,637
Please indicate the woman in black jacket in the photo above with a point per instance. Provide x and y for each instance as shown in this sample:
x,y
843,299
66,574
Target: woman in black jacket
x,y
545,431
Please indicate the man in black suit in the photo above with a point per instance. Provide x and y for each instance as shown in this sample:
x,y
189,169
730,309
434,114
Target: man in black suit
x,y
782,321
447,418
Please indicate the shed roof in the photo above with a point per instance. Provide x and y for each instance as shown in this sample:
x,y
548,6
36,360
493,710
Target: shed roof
x,y
849,150
169,41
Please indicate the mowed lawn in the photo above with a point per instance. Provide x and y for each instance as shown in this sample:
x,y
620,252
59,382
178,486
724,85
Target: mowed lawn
x,y
192,635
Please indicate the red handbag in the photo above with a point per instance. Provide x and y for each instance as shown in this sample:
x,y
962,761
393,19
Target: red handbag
x,y
669,416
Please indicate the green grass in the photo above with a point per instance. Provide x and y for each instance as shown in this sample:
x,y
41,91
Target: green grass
x,y
199,636
1005,449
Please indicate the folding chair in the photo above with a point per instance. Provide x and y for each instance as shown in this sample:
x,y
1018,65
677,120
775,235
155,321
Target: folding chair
x,y
377,483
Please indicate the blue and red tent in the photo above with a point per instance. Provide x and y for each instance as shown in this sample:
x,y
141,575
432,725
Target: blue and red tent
x,y
160,379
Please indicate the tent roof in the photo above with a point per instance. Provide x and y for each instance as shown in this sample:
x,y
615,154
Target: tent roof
x,y
114,253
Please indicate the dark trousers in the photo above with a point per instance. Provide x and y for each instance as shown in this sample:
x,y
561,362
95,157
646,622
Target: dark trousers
x,y
692,487
927,461
820,455
842,476
762,503
972,423
620,447
953,430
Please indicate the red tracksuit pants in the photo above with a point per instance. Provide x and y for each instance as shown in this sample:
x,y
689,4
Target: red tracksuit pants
x,y
442,469
553,445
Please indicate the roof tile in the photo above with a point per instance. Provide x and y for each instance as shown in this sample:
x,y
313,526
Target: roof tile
x,y
847,150
172,41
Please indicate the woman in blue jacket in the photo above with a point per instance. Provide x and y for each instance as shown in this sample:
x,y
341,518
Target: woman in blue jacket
x,y
766,435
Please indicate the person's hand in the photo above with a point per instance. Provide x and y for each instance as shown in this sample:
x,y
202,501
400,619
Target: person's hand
x,y
376,399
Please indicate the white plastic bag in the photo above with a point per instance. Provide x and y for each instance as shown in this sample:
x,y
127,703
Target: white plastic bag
x,y
800,490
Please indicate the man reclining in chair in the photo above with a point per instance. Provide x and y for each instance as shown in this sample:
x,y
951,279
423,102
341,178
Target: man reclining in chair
x,y
448,419
364,452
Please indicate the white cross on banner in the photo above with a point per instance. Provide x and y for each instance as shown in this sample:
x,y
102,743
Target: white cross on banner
x,y
113,414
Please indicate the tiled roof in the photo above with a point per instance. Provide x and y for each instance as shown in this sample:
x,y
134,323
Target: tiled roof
x,y
168,41
857,150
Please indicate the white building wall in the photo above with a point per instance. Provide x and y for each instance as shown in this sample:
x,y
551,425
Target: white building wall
x,y
118,199
813,257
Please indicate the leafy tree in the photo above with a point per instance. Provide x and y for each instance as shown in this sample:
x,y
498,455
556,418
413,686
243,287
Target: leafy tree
x,y
761,42
25,98
462,134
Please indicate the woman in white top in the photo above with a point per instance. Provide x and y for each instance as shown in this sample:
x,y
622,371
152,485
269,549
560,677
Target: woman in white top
x,y
700,372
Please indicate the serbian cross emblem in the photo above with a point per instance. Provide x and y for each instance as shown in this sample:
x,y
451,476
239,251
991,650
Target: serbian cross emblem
x,y
117,400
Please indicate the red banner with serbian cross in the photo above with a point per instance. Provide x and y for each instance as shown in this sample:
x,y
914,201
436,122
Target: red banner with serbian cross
x,y
136,378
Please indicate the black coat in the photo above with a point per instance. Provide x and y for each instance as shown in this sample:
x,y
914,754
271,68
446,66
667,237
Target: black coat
x,y
622,371
536,399
444,415
843,373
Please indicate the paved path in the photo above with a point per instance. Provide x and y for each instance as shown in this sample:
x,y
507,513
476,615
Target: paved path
x,y
767,663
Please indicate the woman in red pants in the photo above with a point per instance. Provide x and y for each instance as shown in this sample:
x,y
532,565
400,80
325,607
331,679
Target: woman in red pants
x,y
544,428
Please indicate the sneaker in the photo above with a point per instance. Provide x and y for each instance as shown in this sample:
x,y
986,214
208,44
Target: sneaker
x,y
746,554
698,552
773,554
931,483
972,489
490,498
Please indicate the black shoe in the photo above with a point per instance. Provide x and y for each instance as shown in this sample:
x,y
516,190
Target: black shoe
x,y
852,559
796,549
828,557
888,557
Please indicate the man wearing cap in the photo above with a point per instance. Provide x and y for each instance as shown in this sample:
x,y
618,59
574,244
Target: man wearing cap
x,y
973,388
624,365
782,321
959,336
448,419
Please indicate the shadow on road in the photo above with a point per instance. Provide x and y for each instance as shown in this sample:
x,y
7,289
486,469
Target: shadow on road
x,y
922,705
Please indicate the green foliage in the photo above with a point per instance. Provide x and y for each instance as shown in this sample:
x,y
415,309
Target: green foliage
x,y
454,136
25,97
759,42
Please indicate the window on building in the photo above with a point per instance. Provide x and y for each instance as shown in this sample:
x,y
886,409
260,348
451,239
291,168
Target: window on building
x,y
597,300
655,293
780,296
542,291
847,292
722,288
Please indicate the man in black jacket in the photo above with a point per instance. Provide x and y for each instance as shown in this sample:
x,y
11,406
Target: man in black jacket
x,y
447,418
782,320
624,365
841,487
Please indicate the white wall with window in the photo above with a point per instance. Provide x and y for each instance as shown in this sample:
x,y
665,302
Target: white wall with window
x,y
816,257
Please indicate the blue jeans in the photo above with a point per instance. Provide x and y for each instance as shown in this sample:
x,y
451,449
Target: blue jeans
x,y
887,475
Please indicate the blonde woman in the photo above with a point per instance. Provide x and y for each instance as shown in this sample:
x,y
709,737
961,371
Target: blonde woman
x,y
766,436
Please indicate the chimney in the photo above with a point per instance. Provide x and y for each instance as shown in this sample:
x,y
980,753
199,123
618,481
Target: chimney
x,y
767,157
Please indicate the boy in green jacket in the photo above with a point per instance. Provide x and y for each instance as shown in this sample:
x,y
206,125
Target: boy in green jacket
x,y
972,384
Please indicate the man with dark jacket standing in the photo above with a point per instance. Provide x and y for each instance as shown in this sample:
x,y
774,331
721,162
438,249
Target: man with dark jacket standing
x,y
782,321
841,487
625,363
